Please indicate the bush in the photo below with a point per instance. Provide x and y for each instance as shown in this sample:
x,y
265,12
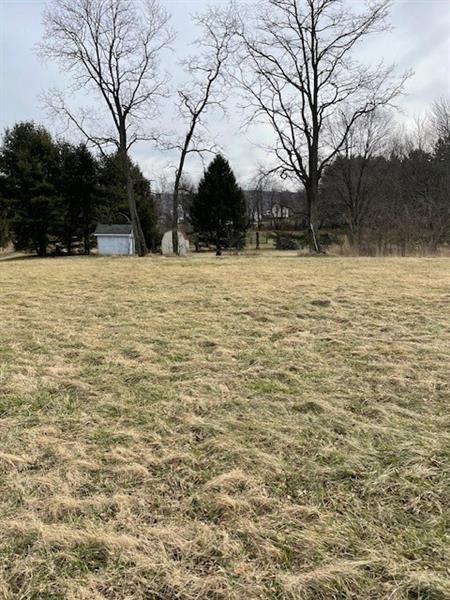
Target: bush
x,y
296,241
286,241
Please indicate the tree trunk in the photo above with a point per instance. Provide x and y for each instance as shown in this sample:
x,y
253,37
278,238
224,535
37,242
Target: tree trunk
x,y
86,244
41,246
86,224
141,247
354,234
359,238
176,189
312,196
175,220
218,248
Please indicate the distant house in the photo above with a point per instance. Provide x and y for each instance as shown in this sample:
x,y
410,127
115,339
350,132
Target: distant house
x,y
278,211
115,239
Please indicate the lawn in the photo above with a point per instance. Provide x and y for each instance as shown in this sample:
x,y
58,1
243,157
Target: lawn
x,y
235,428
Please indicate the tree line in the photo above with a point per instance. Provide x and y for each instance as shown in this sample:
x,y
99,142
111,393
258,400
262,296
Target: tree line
x,y
293,62
387,191
391,194
53,193
383,194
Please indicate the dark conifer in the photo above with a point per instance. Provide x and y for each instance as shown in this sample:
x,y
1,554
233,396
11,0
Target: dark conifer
x,y
218,211
29,166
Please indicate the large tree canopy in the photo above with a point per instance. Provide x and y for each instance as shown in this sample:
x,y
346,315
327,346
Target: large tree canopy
x,y
299,73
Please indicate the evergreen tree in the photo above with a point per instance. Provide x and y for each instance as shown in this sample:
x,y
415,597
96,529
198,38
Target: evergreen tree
x,y
77,186
52,195
218,211
4,231
29,166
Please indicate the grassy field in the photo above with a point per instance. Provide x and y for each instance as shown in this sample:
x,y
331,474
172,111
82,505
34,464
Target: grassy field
x,y
234,428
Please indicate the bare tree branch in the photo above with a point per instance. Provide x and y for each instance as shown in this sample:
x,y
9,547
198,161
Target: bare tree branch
x,y
206,87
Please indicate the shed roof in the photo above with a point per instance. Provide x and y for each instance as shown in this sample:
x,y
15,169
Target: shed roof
x,y
118,229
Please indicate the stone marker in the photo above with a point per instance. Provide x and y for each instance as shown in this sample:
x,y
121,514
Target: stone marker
x,y
167,245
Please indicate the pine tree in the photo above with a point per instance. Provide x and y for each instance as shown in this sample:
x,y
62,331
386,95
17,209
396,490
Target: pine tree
x,y
218,212
77,185
29,166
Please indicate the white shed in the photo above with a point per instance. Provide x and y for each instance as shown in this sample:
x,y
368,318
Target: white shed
x,y
115,239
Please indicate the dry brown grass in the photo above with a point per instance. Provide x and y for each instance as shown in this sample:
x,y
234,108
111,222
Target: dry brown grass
x,y
224,429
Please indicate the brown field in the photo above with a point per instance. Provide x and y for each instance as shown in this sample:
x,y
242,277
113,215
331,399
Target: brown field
x,y
233,428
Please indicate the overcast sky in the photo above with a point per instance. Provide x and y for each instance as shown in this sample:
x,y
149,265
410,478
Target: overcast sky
x,y
420,41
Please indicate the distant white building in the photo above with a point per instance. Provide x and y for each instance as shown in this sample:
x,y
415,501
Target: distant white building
x,y
115,239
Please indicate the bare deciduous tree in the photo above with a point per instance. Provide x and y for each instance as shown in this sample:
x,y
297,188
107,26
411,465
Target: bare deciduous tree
x,y
205,87
298,70
110,47
351,176
440,119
